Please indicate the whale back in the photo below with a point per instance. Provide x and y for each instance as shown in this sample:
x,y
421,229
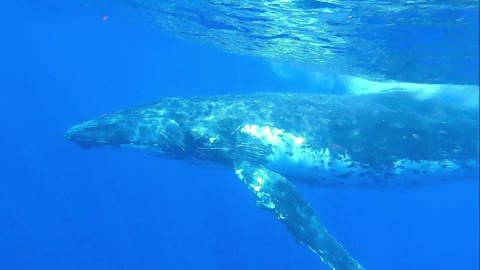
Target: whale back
x,y
382,140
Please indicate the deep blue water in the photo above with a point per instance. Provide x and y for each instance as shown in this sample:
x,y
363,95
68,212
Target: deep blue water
x,y
62,207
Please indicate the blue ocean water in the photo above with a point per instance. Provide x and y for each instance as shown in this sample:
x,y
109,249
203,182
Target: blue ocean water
x,y
65,208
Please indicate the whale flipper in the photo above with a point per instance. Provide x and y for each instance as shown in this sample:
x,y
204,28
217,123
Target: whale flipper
x,y
277,195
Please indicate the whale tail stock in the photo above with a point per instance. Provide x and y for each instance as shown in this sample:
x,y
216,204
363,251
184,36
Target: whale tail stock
x,y
277,195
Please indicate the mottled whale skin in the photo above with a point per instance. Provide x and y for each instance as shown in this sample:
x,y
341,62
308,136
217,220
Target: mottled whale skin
x,y
271,140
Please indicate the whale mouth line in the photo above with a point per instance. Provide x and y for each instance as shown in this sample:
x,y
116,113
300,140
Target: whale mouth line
x,y
80,135
83,144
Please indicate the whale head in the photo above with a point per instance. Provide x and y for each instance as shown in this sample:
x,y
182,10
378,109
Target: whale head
x,y
151,130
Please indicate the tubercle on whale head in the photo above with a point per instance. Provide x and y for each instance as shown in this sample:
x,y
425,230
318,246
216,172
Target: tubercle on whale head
x,y
153,132
88,134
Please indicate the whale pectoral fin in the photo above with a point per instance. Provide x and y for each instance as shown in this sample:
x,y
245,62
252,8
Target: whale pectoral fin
x,y
277,195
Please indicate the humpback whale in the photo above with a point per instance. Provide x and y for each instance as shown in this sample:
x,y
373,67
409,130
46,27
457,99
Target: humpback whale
x,y
273,141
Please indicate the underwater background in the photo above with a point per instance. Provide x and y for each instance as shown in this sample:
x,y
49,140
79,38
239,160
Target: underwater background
x,y
62,207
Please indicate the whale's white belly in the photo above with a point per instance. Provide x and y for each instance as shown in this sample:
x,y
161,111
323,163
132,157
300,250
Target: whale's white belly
x,y
292,157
